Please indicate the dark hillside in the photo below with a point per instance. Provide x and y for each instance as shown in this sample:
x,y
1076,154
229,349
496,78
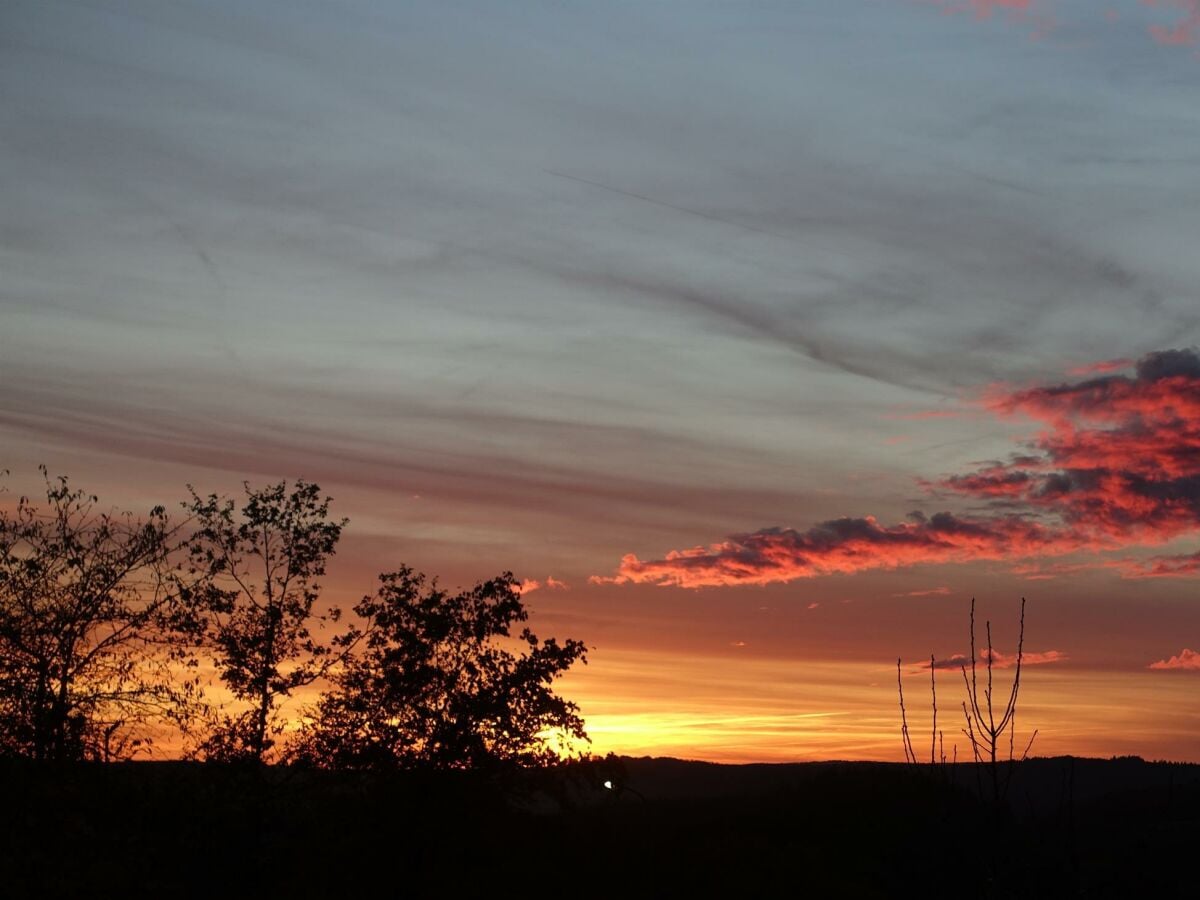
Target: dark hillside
x,y
1075,827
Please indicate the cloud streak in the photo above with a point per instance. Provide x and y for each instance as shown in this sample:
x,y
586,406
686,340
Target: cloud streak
x,y
999,660
1117,464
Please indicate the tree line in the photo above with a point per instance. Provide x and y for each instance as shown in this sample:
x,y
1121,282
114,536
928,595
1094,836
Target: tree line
x,y
109,622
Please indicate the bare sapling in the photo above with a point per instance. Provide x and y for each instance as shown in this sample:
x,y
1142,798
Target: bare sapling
x,y
986,721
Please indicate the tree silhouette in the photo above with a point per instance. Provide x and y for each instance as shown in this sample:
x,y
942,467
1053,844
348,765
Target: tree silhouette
x,y
256,572
439,682
89,630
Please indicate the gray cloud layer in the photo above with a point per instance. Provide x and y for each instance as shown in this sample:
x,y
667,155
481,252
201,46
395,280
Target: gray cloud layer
x,y
532,254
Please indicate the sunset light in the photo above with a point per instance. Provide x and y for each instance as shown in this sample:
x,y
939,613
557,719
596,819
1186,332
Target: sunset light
x,y
460,410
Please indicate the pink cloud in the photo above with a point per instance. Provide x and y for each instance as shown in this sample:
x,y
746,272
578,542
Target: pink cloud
x,y
1187,659
1184,31
1014,10
1100,368
931,592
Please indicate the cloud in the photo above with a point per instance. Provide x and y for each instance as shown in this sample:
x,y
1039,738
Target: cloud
x,y
1040,571
1185,30
551,584
931,592
1014,10
1180,566
838,546
1187,659
984,8
1099,368
1117,464
999,660
1004,661
957,661
1119,455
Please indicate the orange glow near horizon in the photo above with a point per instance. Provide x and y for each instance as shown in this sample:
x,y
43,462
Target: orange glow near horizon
x,y
712,709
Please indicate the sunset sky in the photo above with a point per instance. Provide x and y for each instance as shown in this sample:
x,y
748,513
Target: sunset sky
x,y
755,337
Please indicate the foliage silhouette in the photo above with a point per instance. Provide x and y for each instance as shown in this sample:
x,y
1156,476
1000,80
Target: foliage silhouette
x,y
255,574
436,684
91,635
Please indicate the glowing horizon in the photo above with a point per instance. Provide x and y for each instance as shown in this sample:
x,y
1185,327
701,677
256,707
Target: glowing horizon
x,y
755,339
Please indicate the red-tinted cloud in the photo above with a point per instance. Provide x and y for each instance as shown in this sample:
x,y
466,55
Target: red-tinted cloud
x,y
1099,368
1187,659
1014,10
1119,455
1181,566
839,546
1117,464
1183,32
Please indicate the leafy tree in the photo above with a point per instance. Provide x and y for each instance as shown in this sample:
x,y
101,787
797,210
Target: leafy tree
x,y
439,683
256,572
89,630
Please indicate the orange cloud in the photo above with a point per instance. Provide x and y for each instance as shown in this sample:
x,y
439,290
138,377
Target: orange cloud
x,y
551,584
1187,659
1117,464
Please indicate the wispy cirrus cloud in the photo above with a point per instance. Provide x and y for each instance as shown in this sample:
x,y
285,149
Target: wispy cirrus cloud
x,y
1117,464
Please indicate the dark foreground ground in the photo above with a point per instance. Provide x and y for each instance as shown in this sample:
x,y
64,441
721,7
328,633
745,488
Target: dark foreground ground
x,y
1071,828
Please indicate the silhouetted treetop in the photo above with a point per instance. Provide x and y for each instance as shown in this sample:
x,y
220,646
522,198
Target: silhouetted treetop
x,y
91,635
441,681
255,580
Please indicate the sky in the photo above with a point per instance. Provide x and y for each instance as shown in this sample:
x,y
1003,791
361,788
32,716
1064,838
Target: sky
x,y
756,338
